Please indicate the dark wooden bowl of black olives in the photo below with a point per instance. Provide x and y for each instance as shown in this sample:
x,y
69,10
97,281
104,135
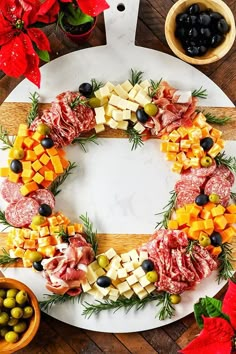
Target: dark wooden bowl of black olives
x,y
200,32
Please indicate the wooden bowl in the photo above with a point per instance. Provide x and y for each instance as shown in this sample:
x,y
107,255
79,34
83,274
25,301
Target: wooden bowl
x,y
212,54
28,335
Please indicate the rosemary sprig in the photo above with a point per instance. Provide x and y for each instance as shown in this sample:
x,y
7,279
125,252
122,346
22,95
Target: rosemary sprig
x,y
228,161
88,229
5,139
96,85
34,108
225,269
63,235
189,249
83,140
152,90
167,309
200,93
3,220
233,196
6,259
167,210
78,101
135,138
136,77
212,119
55,299
54,188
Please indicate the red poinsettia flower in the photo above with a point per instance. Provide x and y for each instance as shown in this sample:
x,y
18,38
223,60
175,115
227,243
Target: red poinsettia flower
x,y
91,7
18,36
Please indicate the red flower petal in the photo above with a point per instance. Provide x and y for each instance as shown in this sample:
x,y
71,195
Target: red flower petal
x,y
48,11
39,38
13,57
92,7
30,16
6,30
27,5
229,303
11,9
32,72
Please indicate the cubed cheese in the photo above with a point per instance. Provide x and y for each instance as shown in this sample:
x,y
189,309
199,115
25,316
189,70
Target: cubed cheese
x,y
94,265
117,114
139,127
133,117
123,287
133,254
91,276
137,288
112,273
150,288
139,272
127,86
125,257
103,291
128,266
132,94
144,281
112,123
113,292
120,91
100,115
95,293
110,86
131,280
99,272
121,273
126,114
86,286
110,253
99,128
109,109
123,125
142,98
142,256
142,294
145,84
104,91
128,293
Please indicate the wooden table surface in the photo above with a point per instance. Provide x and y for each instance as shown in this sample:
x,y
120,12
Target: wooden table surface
x,y
55,337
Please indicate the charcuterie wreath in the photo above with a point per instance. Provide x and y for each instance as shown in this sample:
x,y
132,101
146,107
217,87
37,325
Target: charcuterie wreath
x,y
193,235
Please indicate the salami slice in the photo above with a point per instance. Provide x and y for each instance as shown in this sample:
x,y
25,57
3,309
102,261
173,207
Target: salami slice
x,y
222,171
10,191
231,178
43,196
26,208
220,186
188,184
186,196
195,180
12,216
204,171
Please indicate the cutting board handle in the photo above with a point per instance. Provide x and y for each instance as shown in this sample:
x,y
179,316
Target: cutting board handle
x,y
121,21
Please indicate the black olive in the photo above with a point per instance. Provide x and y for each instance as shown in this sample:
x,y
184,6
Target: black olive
x,y
191,20
147,265
222,26
192,51
141,115
38,266
181,18
86,89
215,16
201,199
216,239
202,50
103,281
205,32
45,210
180,33
16,166
193,9
193,33
216,40
206,143
47,143
204,19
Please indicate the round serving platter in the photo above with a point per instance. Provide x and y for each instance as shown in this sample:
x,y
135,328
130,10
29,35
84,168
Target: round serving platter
x,y
110,177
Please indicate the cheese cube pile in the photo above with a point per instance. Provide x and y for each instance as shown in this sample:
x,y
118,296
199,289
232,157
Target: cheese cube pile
x,y
127,276
119,104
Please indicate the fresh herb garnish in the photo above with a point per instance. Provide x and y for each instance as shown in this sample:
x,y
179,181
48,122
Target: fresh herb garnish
x,y
63,235
212,119
5,139
54,188
6,259
3,220
167,309
225,269
88,229
200,93
135,138
78,101
190,247
55,299
233,196
228,161
96,85
136,77
152,90
167,211
83,140
34,108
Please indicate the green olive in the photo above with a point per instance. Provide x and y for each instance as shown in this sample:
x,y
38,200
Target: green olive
x,y
21,297
206,161
151,109
152,276
12,322
11,337
2,293
38,220
204,240
94,102
28,312
17,312
214,198
9,302
35,256
103,261
175,299
18,153
1,302
12,292
3,331
4,318
43,129
20,327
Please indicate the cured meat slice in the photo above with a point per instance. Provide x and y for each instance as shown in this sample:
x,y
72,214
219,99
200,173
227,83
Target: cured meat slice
x,y
195,180
10,191
220,186
188,184
186,196
222,171
12,216
231,178
204,171
43,196
26,208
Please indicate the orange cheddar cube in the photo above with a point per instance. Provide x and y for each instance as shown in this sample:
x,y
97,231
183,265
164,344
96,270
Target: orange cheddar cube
x,y
177,167
37,136
231,218
61,152
195,210
49,175
170,156
56,162
65,163
214,150
209,231
218,210
216,133
44,231
28,187
36,165
29,244
194,134
4,171
52,220
182,132
205,132
34,235
220,142
200,120
209,206
78,228
18,143
181,157
39,149
19,252
174,136
47,251
163,147
52,151
208,224
194,162
28,142
228,234
220,222
197,225
13,177
205,214
44,241
27,173
183,218
216,251
30,155
71,230
23,130
45,183
26,179
231,208
38,178
172,147
26,165
193,234
44,159
172,225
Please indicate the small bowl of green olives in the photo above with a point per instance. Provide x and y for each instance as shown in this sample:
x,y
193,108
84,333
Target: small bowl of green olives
x,y
19,315
200,32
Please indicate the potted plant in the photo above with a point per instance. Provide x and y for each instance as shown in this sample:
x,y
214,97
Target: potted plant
x,y
77,18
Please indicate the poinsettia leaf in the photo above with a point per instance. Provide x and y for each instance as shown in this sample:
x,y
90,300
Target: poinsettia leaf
x,y
229,303
214,308
32,72
48,11
39,38
92,7
43,54
199,310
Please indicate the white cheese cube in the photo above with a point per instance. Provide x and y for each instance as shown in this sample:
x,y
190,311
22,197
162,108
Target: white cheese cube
x,y
98,94
113,297
144,281
142,98
132,94
110,86
112,273
103,101
150,288
100,115
128,294
144,84
100,272
120,91
123,125
133,254
137,87
94,265
99,128
110,253
108,110
121,273
131,280
133,106
115,262
103,291
104,91
133,117
114,292
128,266
115,100
91,276
117,114
137,288
123,287
95,293
112,123
139,127
142,256
182,96
127,86
126,114
125,257
136,264
86,286
139,272
142,294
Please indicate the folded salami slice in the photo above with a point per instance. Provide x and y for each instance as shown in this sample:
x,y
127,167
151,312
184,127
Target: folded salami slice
x,y
10,191
26,208
186,196
220,186
43,196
